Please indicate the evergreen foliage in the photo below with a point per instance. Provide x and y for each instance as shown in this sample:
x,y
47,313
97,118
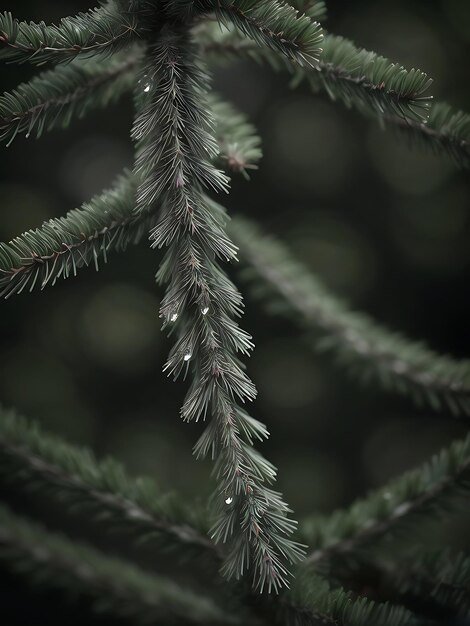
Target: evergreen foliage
x,y
72,475
182,134
406,500
57,96
115,587
102,30
357,343
442,577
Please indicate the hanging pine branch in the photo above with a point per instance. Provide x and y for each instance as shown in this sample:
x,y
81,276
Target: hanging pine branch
x,y
174,150
276,25
357,343
361,79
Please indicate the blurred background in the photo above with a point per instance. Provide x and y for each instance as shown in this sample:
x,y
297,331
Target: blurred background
x,y
385,227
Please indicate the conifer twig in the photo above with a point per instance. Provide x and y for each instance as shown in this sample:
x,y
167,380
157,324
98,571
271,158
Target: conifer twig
x,y
116,588
355,76
102,30
446,131
175,146
275,24
73,475
312,602
362,80
357,343
63,245
55,97
429,489
439,580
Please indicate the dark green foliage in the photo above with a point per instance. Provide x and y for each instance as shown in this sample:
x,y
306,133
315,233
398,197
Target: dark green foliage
x,y
446,130
370,82
70,91
425,491
277,25
442,577
373,85
182,133
114,587
370,352
65,244
311,602
175,148
102,30
107,223
74,476
357,77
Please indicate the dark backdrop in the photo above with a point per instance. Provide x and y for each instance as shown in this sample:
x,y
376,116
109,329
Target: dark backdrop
x,y
385,227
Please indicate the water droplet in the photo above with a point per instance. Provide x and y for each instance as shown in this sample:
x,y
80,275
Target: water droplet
x,y
187,356
174,317
229,500
146,83
205,310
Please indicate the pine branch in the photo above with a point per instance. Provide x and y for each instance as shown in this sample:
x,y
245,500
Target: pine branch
x,y
277,25
237,139
102,30
369,82
175,145
72,475
446,131
439,580
311,602
423,492
357,343
108,223
114,587
356,77
52,99
64,245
